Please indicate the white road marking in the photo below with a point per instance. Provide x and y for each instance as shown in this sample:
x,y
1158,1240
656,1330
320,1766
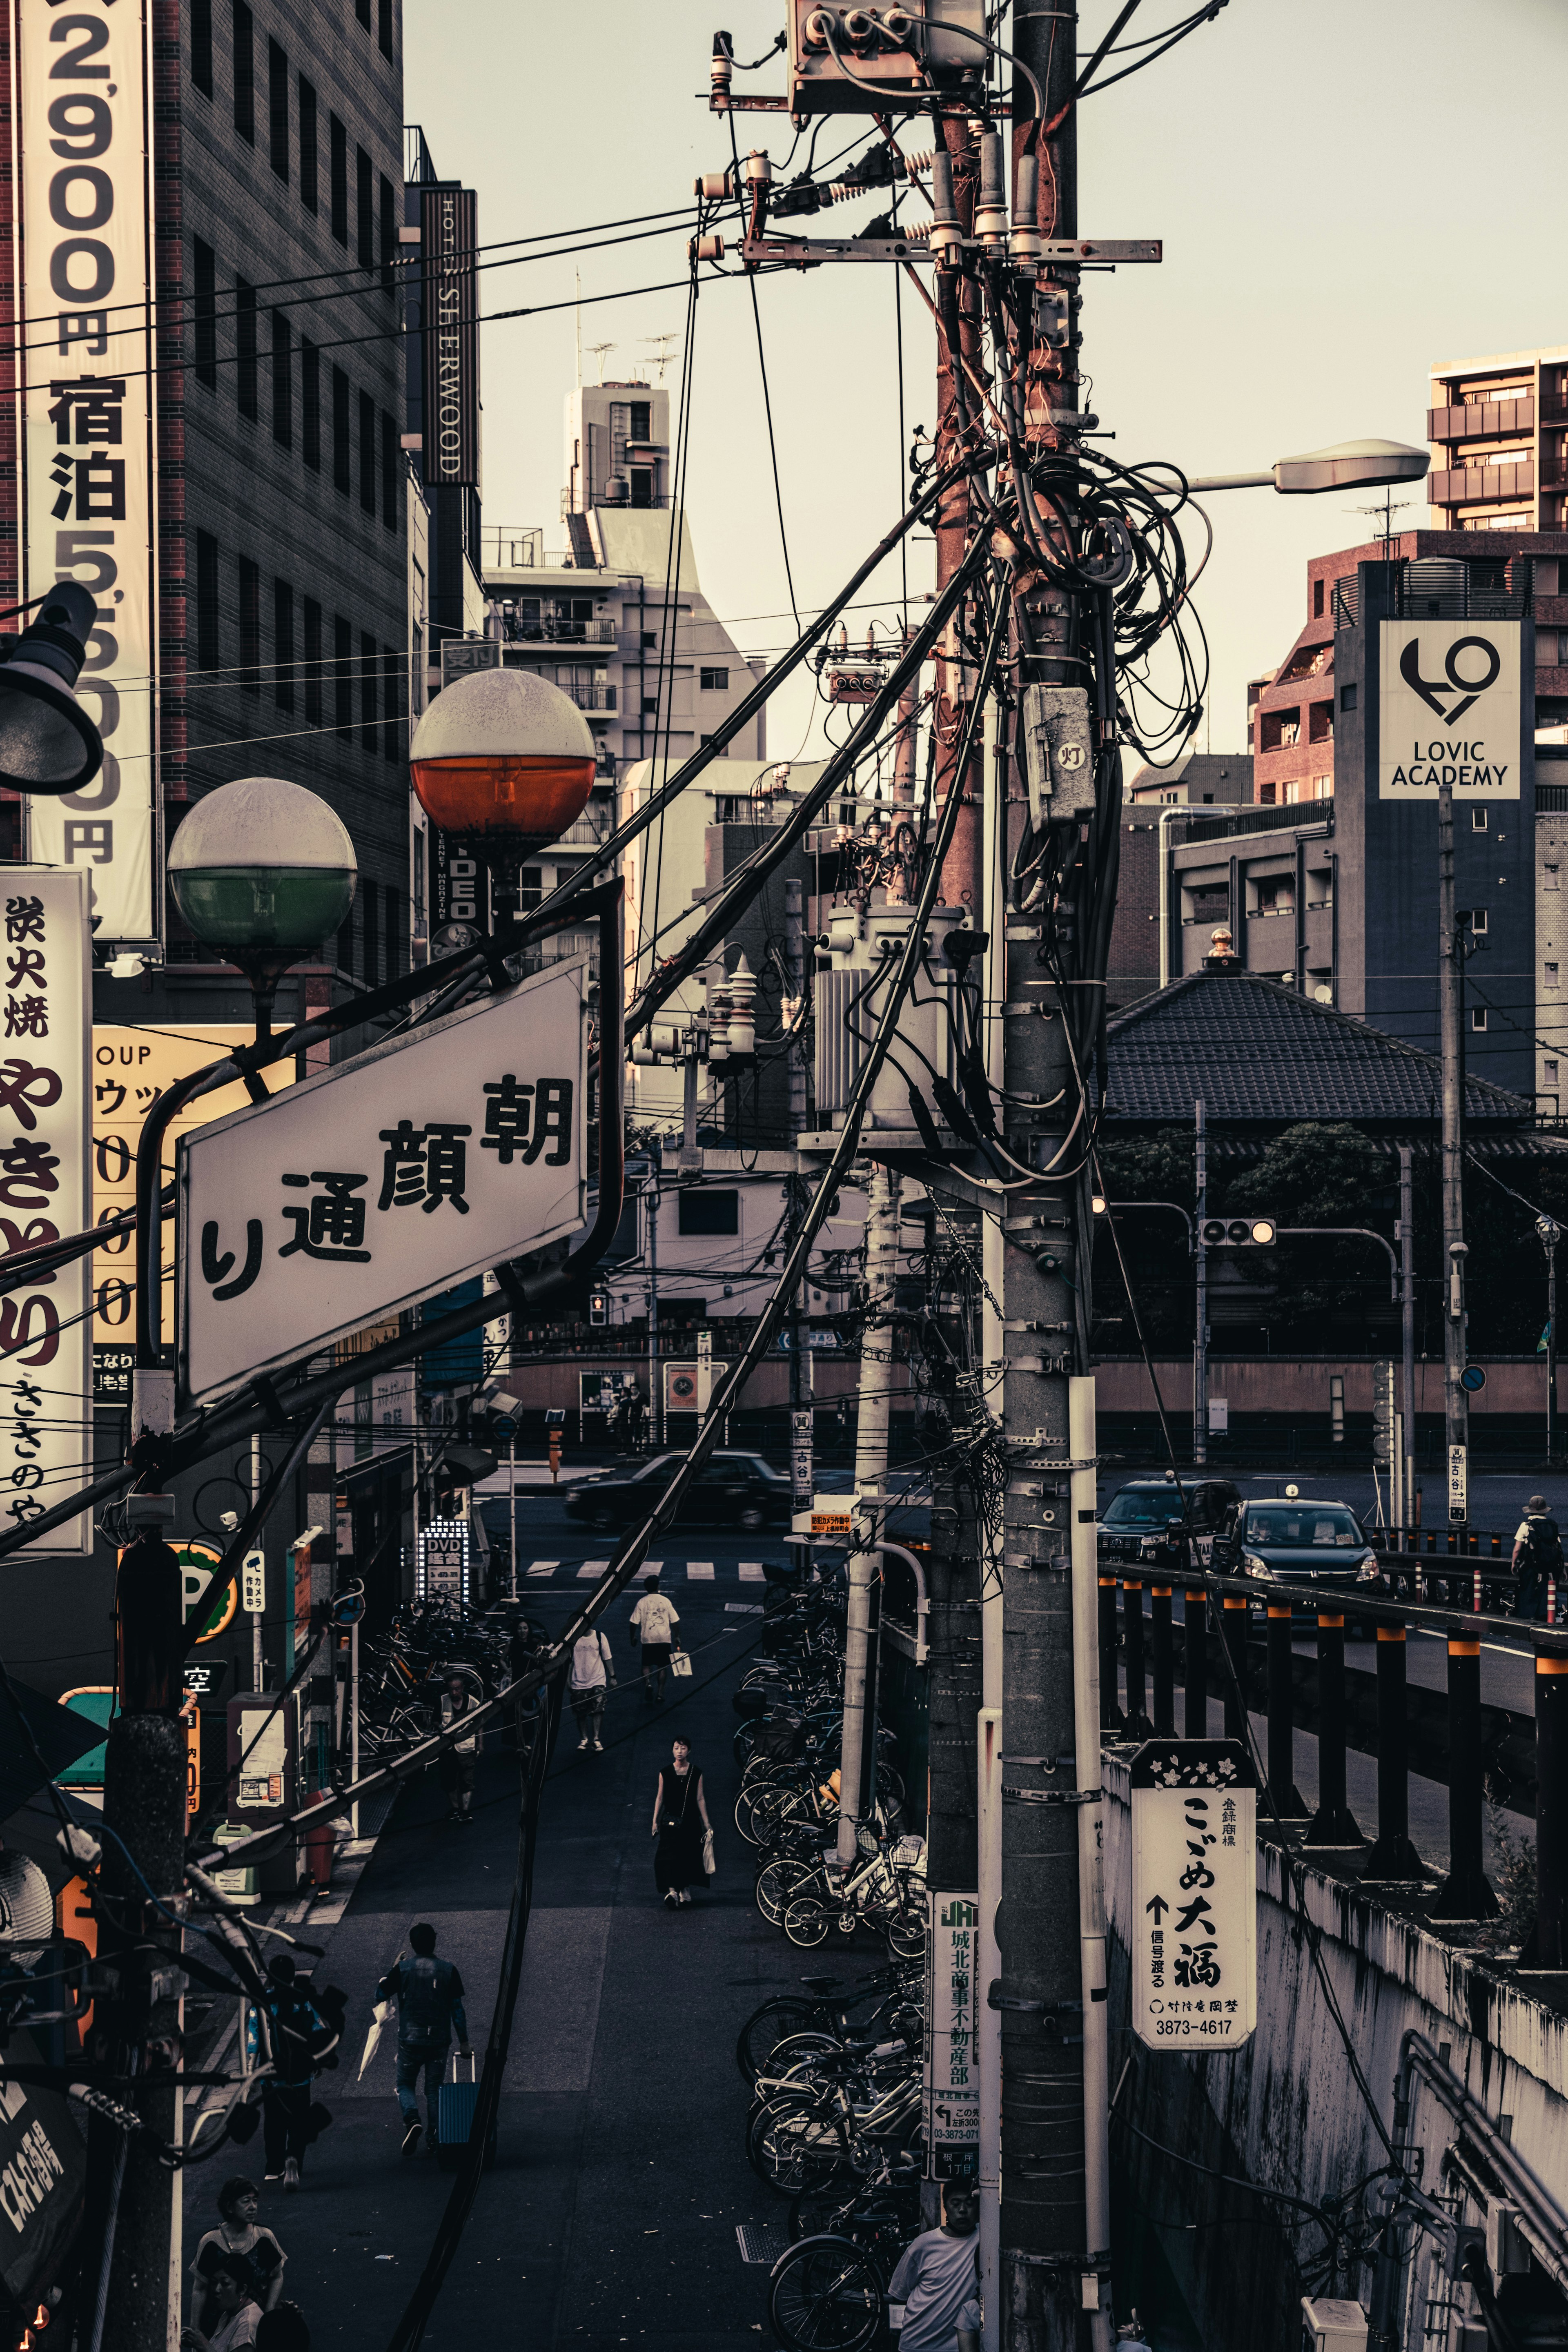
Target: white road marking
x,y
752,1571
593,1568
543,1567
700,1571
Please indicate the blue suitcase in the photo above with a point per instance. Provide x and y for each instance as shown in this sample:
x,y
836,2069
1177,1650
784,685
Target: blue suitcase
x,y
455,2107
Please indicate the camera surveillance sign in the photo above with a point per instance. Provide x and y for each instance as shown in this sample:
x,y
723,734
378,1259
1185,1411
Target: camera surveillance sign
x,y
1450,709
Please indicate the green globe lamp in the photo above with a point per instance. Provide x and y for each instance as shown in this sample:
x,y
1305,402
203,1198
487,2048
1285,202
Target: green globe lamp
x,y
263,872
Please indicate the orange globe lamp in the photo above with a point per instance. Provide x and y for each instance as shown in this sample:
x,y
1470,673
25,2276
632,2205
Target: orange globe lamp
x,y
506,761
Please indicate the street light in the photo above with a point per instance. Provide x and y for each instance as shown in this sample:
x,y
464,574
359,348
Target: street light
x,y
1347,465
262,871
506,761
47,742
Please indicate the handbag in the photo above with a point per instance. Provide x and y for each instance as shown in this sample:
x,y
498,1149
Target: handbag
x,y
709,1864
679,1661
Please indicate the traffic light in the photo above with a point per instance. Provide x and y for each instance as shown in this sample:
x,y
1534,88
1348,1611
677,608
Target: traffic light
x,y
598,1307
1257,1231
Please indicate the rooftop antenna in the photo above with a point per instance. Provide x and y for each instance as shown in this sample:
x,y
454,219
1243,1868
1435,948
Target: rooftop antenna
x,y
598,351
666,344
1387,506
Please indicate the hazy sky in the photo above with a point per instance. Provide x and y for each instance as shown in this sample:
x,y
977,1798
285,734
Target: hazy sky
x,y
1346,193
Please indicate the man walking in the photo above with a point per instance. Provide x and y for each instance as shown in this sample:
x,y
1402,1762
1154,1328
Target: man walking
x,y
459,1762
937,2282
593,1678
1537,1558
652,1621
429,1997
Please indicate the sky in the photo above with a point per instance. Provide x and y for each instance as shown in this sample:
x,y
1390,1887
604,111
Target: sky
x,y
1346,195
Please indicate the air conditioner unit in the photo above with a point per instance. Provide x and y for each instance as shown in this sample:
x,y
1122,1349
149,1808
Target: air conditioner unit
x,y
1333,2325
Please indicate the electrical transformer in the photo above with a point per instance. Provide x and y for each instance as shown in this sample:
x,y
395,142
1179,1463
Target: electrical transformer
x,y
856,965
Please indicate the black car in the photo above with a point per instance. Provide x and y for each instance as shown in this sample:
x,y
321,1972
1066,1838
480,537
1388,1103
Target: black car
x,y
1293,1539
731,1490
1135,1528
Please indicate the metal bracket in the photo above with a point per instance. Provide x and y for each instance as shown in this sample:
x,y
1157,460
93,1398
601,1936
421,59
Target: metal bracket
x,y
1052,1796
1055,252
1041,1364
1060,1563
1034,1224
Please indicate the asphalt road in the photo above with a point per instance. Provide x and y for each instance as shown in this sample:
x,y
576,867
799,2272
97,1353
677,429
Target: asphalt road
x,y
610,2215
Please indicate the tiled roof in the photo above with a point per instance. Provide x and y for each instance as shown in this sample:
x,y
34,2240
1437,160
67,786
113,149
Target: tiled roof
x,y
1253,1050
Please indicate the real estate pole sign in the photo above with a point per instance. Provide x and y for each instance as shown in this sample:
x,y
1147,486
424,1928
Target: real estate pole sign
x,y
1194,1924
87,345
1448,709
374,1185
952,2069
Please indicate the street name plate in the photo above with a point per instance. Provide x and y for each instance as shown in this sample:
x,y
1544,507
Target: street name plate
x,y
381,1182
1193,1926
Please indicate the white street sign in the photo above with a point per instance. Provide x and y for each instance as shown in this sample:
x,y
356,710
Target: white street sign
x,y
1458,1484
1195,1893
376,1184
253,1584
1449,709
952,2063
45,1343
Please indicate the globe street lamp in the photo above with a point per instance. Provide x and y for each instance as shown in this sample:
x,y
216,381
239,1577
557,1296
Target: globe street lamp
x,y
262,871
505,761
47,742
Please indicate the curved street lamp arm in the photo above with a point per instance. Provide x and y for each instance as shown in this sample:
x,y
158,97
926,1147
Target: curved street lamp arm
x,y
1363,1232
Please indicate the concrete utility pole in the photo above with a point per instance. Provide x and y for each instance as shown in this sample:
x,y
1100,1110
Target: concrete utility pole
x,y
655,1385
961,878
857,1764
1201,1319
1407,1328
802,1418
1450,993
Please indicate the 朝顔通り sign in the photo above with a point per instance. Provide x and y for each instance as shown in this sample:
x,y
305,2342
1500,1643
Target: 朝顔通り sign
x,y
374,1185
1194,1895
1448,709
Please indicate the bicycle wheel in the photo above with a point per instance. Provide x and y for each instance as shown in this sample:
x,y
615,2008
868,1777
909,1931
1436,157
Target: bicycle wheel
x,y
792,2143
798,2050
808,1919
825,2295
766,2027
778,1882
906,1933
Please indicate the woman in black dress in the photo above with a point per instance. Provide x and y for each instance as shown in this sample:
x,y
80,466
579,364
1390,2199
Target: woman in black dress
x,y
679,1821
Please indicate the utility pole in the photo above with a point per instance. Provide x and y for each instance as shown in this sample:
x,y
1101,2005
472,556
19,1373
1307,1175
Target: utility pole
x,y
802,1415
1407,1328
1549,1233
655,1390
961,879
1450,987
1200,1324
857,1763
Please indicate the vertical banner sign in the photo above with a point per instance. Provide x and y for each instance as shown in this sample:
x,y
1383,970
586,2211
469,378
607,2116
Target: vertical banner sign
x,y
1449,709
1459,1484
1194,1924
46,1347
87,338
448,232
952,2069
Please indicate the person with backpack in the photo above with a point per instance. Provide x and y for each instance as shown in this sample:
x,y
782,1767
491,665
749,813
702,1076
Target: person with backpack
x,y
429,1997
304,2028
1537,1558
593,1678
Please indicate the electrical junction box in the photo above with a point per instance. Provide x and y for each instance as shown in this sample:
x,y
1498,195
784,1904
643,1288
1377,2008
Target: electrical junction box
x,y
1333,2325
887,46
1507,2253
863,957
1058,757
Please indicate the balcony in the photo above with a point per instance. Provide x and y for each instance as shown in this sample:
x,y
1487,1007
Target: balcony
x,y
597,701
1475,485
558,632
1476,418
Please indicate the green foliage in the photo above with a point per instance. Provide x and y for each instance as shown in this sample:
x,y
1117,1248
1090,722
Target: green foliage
x,y
1315,1174
1151,1167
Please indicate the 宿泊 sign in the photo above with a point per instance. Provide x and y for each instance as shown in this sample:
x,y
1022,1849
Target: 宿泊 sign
x,y
1449,709
1195,1893
374,1185
952,2067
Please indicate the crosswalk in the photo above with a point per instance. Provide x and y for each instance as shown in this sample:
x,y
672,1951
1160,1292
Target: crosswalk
x,y
678,1572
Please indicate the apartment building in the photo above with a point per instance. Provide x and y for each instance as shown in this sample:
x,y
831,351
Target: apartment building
x,y
1499,431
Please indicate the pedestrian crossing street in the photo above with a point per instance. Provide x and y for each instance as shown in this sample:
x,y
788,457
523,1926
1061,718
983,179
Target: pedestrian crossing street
x,y
675,1571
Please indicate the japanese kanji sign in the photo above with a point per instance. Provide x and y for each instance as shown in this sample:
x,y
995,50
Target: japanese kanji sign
x,y
1194,1895
46,1347
952,2072
376,1184
87,347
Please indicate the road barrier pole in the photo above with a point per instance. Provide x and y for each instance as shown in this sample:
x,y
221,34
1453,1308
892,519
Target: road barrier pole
x,y
1137,1723
1547,1947
1111,1719
1164,1662
1333,1824
1233,1633
1392,1858
1281,1724
1196,1611
1465,1893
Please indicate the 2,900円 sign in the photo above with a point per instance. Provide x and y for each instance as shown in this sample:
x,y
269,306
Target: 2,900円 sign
x,y
377,1184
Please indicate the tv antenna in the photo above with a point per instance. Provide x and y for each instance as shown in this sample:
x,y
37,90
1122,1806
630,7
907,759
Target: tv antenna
x,y
1387,506
666,344
598,351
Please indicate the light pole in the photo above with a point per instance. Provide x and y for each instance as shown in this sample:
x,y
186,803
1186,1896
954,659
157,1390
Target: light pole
x,y
1450,1006
1550,1233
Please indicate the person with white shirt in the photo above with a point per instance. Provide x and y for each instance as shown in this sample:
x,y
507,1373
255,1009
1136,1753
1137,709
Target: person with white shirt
x,y
653,1622
933,2296
593,1675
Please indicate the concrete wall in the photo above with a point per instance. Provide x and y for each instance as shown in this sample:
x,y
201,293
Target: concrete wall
x,y
1278,1384
1284,2111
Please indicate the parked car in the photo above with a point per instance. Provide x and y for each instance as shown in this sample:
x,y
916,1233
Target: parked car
x,y
732,1490
1134,1526
1299,1539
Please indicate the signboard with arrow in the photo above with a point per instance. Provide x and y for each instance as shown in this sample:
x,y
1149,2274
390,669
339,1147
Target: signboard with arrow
x,y
1195,1895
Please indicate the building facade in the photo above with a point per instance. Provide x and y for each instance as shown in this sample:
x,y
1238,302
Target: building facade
x,y
1498,432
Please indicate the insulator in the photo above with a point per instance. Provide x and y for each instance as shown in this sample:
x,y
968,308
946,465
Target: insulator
x,y
819,29
946,234
714,185
755,167
709,247
899,28
742,1016
991,206
720,70
859,28
1026,244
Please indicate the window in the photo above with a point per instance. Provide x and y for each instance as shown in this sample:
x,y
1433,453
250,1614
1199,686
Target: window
x,y
283,644
250,625
389,470
642,486
202,46
1347,697
1549,1072
1473,918
1478,824
367,693
208,656
1277,895
384,28
344,640
1319,590
1552,979
1477,1016
307,144
341,475
365,216
1279,731
650,706
370,902
312,662
1321,723
367,468
205,309
339,139
1552,881
1323,787
714,681
642,421
244,72
282,381
278,109
530,890
706,1210
388,234
310,405
245,374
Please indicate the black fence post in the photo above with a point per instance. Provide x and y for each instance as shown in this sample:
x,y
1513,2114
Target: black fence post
x,y
1233,1633
1281,1717
1196,1675
1137,1723
1393,1857
1547,1945
1465,1893
1109,1706
1165,1662
1334,1823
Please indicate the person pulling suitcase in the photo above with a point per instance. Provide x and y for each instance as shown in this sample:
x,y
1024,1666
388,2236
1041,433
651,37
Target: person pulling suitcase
x,y
429,1997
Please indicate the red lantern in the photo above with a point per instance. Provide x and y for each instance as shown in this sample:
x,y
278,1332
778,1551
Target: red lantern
x,y
504,759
